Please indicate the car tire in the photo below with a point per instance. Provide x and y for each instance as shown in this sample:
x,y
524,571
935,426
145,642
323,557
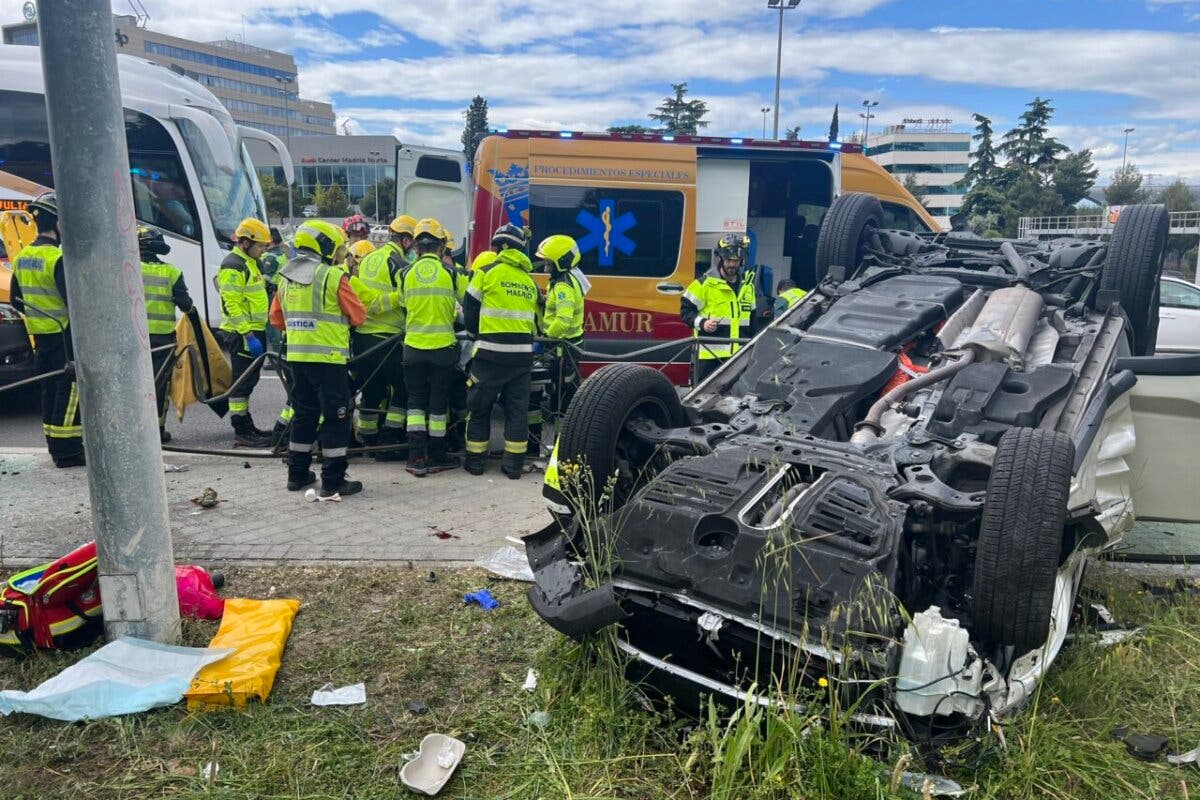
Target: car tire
x,y
1133,268
592,426
845,230
1020,537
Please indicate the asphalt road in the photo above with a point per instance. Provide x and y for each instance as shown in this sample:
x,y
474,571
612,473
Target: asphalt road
x,y
21,418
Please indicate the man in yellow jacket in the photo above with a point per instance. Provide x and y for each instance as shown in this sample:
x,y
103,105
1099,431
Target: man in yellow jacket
x,y
721,305
244,323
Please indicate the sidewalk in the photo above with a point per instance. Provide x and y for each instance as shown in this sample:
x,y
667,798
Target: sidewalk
x,y
448,517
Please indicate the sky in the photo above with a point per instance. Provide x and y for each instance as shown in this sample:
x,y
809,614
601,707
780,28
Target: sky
x,y
411,68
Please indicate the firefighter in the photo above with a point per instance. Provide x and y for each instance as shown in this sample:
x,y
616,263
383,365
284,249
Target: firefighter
x,y
721,305
356,253
501,312
562,317
39,291
243,324
270,264
789,295
431,294
165,291
384,402
356,229
317,307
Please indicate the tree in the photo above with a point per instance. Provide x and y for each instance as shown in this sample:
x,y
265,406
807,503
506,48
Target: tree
x,y
1126,187
275,194
387,200
792,134
917,190
984,165
1029,143
632,129
1178,197
1074,176
331,201
833,124
679,115
476,126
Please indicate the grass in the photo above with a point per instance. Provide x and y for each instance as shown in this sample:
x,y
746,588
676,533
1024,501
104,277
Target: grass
x,y
408,639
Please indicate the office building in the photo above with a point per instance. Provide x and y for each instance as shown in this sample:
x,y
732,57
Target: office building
x,y
933,155
260,87
355,163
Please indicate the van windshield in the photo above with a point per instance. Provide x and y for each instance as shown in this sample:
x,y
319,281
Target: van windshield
x,y
231,198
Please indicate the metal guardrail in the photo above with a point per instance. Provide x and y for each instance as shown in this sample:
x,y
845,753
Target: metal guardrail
x,y
1099,224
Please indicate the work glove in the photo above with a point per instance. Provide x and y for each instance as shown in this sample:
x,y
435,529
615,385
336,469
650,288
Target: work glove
x,y
253,345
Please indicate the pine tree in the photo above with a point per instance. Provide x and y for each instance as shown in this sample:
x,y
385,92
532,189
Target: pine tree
x,y
632,129
833,125
1126,188
984,165
1074,177
476,126
678,115
1029,143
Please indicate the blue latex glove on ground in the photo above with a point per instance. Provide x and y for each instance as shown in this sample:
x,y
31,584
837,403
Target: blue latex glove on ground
x,y
483,598
254,345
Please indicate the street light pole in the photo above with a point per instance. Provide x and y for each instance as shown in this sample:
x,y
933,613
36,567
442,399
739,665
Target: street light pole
x,y
764,111
1125,151
284,81
867,116
108,320
375,171
782,5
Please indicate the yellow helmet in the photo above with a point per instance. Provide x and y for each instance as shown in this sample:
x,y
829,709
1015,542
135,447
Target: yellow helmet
x,y
362,248
430,228
560,250
450,243
733,245
484,259
403,224
320,237
253,229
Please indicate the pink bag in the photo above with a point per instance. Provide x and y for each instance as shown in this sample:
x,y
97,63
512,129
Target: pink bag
x,y
198,598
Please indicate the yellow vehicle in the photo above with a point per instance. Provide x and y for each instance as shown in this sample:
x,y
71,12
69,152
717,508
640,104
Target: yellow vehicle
x,y
647,211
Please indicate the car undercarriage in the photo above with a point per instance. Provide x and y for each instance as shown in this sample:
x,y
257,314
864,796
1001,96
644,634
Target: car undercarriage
x,y
895,487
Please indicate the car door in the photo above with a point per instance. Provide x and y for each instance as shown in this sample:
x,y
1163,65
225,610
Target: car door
x,y
1179,317
1166,413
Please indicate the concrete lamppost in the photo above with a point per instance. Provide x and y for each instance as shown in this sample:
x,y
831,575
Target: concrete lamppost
x,y
782,5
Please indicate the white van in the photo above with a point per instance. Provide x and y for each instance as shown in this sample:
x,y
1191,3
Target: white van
x,y
434,182
189,169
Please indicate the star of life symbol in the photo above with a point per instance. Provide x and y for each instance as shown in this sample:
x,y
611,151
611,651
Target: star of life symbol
x,y
606,232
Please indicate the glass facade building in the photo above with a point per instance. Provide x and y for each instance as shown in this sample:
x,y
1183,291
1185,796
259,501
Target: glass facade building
x,y
932,156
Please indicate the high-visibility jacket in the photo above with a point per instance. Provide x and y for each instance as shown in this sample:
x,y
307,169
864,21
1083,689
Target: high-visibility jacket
x,y
563,315
501,309
317,329
243,294
158,282
788,298
711,297
45,308
376,285
430,293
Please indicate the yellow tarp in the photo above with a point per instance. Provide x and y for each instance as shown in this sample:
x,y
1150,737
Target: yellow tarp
x,y
16,231
201,370
257,630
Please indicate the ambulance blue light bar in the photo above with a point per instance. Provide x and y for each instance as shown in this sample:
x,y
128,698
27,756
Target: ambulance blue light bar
x,y
679,138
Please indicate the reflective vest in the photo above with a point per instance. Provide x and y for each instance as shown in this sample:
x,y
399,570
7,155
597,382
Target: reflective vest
x,y
376,285
563,317
508,305
317,330
716,299
431,293
158,280
243,294
46,309
793,296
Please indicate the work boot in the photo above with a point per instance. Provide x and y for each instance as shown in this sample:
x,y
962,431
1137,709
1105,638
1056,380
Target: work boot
x,y
296,481
438,460
71,461
475,463
391,438
512,465
246,435
164,436
344,488
418,454
256,429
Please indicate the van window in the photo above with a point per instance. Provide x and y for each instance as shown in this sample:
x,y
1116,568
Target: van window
x,y
902,218
160,187
433,168
624,232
